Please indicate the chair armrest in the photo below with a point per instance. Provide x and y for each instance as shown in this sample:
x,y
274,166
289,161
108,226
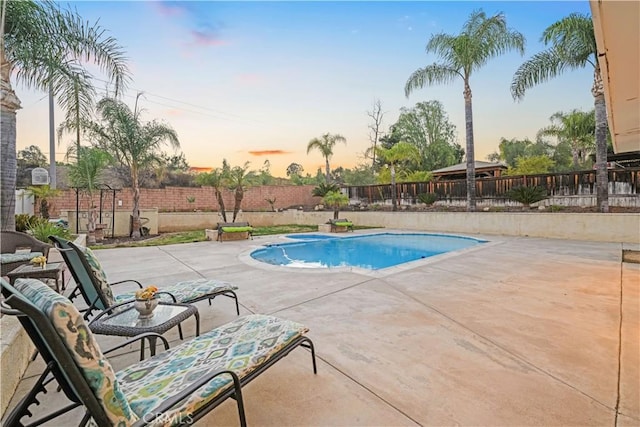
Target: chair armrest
x,y
169,403
126,281
167,293
107,311
138,338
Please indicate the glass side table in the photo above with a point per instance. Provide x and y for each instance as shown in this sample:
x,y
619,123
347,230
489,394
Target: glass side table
x,y
126,323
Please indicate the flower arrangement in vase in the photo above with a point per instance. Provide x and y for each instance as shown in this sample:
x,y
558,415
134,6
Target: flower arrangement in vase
x,y
146,301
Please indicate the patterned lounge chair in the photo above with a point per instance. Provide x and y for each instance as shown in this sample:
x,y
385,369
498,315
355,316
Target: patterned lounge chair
x,y
96,291
175,387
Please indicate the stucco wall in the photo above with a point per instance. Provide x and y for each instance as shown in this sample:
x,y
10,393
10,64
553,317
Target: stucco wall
x,y
578,226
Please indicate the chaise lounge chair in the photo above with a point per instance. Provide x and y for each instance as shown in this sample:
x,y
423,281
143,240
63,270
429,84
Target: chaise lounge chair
x,y
176,387
96,291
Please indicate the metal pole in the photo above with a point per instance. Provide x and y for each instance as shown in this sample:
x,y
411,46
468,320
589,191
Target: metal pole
x,y
52,143
101,206
113,214
77,211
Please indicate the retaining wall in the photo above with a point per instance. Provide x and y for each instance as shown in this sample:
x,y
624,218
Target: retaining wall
x,y
611,227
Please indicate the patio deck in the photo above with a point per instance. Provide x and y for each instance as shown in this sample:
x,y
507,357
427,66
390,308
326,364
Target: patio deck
x,y
524,331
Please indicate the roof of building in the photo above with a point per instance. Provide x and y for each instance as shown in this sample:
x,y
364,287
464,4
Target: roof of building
x,y
462,167
615,24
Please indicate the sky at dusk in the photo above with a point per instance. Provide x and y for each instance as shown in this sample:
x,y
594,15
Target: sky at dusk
x,y
255,81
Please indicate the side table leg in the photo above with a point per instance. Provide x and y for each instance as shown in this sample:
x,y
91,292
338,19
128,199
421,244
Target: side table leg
x,y
142,349
152,346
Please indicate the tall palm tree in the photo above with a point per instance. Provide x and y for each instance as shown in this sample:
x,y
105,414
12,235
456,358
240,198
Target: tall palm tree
x,y
325,145
215,179
577,128
134,143
238,177
400,152
572,46
481,39
85,174
78,102
28,30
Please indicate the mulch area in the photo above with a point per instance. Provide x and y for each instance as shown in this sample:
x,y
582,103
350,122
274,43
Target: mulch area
x,y
108,241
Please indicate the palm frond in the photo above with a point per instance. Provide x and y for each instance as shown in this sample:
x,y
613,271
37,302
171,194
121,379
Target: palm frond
x,y
41,39
443,45
429,75
541,67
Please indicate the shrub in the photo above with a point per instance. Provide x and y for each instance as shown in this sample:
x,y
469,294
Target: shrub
x,y
322,189
43,229
26,221
527,195
556,208
427,198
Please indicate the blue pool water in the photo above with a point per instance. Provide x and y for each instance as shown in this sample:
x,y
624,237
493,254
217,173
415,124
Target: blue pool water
x,y
373,251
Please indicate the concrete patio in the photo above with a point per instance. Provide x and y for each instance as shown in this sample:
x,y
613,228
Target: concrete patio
x,y
522,331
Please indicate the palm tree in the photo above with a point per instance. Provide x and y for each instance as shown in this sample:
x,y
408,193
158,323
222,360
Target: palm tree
x,y
325,145
400,152
78,103
335,200
577,128
481,39
85,174
215,179
28,30
572,46
133,143
43,193
238,178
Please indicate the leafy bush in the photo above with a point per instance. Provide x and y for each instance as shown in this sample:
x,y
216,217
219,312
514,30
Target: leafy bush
x,y
527,195
43,229
427,198
556,208
26,221
322,189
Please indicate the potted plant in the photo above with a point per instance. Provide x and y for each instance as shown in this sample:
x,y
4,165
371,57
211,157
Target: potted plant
x,y
146,301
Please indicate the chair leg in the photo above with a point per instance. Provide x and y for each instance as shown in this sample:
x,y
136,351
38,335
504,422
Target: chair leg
x,y
307,343
22,409
232,294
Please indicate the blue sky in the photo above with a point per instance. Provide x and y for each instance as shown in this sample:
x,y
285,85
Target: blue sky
x,y
255,81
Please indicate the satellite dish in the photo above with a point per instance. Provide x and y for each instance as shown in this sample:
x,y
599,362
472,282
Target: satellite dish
x,y
39,176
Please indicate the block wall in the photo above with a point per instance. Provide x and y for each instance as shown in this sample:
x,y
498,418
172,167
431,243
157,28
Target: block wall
x,y
176,199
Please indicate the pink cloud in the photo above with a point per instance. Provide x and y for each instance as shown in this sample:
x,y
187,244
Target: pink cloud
x,y
166,9
268,152
201,38
174,113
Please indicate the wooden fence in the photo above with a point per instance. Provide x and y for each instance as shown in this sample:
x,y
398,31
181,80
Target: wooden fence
x,y
621,181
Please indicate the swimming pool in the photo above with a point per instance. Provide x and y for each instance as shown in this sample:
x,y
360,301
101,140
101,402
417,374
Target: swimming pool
x,y
373,251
